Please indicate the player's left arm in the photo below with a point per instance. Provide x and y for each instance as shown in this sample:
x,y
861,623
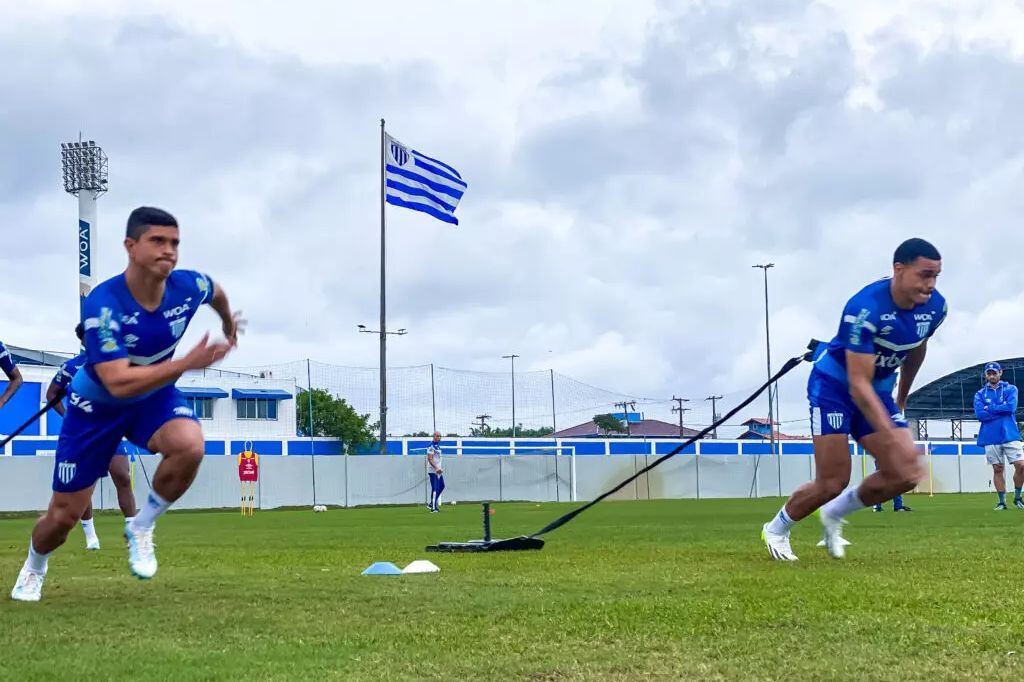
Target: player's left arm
x,y
1009,404
14,378
908,371
232,322
14,382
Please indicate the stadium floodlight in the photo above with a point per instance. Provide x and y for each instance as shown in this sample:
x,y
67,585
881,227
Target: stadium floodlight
x,y
773,390
84,171
383,334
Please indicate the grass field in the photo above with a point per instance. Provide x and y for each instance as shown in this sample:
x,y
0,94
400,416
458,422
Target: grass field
x,y
668,589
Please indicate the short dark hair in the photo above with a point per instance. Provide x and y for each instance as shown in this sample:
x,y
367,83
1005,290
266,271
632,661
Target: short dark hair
x,y
80,331
143,217
912,249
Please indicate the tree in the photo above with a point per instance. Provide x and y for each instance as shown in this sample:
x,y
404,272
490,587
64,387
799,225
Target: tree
x,y
607,423
489,432
333,417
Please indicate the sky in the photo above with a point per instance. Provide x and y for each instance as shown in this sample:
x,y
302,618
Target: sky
x,y
628,163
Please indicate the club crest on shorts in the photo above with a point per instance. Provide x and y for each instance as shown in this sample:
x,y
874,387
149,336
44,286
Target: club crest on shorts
x,y
835,419
66,472
922,328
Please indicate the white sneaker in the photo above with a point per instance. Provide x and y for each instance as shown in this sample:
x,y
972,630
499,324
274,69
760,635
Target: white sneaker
x,y
29,586
778,545
92,544
833,539
141,552
842,541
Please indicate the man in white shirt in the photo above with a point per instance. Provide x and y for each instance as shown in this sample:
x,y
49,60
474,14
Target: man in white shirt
x,y
435,472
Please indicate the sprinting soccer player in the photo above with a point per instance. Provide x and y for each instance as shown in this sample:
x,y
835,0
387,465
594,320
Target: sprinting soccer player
x,y
133,323
120,471
14,379
435,472
884,327
995,406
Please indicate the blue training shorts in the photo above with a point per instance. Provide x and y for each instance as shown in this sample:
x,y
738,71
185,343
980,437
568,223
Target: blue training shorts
x,y
833,409
92,434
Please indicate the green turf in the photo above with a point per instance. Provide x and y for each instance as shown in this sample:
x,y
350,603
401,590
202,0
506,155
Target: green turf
x,y
669,589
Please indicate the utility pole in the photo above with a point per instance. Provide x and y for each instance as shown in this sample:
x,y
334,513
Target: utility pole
x,y
680,409
483,423
625,405
714,413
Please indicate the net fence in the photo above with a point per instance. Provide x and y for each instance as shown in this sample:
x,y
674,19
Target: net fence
x,y
427,398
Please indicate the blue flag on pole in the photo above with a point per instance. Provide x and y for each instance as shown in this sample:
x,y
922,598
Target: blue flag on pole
x,y
414,180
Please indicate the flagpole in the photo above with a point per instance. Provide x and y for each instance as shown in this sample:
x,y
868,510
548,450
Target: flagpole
x,y
383,328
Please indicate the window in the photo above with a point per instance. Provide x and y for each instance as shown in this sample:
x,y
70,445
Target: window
x,y
257,408
201,407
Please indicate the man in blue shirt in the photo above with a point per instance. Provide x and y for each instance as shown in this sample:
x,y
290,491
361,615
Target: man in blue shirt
x,y
884,327
14,378
133,323
120,469
995,406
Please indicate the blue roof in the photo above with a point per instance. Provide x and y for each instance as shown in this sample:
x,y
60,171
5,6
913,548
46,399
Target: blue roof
x,y
265,393
203,392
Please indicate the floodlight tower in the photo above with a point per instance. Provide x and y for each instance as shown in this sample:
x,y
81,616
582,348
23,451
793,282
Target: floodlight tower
x,y
84,167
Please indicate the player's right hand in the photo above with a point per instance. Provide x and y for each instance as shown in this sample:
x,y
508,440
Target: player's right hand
x,y
205,353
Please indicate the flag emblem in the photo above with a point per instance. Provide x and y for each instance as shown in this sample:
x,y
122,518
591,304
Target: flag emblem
x,y
421,183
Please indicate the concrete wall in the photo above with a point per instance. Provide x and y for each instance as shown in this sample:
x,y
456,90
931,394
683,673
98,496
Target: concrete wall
x,y
299,480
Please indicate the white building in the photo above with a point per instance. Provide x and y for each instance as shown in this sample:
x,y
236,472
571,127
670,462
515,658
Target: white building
x,y
228,404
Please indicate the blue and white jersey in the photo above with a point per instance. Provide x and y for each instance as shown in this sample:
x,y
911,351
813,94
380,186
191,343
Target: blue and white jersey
x,y
6,361
68,370
435,451
116,327
872,323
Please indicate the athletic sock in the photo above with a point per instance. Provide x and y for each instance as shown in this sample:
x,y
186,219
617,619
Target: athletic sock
x,y
847,503
154,507
781,523
90,530
36,562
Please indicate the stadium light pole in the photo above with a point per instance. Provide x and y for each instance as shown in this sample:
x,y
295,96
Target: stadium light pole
x,y
772,389
513,357
84,169
383,375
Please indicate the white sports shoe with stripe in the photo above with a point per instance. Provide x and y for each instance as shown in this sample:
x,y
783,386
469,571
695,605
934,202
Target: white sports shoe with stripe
x,y
832,530
778,545
29,586
141,551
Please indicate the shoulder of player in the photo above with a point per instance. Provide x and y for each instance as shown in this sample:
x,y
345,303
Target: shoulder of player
x,y
870,300
106,294
192,281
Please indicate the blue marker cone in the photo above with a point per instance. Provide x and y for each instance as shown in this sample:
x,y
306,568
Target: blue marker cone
x,y
383,568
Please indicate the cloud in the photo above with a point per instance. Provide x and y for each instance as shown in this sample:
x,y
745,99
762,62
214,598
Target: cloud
x,y
623,177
